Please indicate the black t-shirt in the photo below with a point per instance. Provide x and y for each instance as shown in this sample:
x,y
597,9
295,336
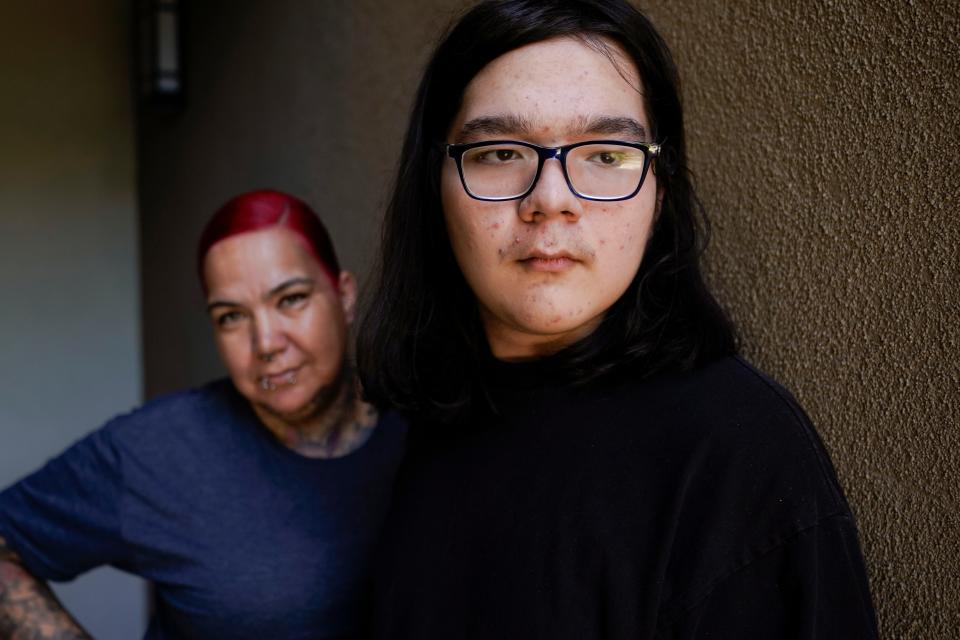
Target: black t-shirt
x,y
696,505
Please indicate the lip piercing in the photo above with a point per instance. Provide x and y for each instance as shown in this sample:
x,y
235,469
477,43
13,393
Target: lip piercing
x,y
289,380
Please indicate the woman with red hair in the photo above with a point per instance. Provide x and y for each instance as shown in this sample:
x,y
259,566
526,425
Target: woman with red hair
x,y
252,502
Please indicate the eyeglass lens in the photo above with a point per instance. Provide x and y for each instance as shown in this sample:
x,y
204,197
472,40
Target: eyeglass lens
x,y
595,170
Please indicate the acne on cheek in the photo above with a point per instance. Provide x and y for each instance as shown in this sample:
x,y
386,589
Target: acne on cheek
x,y
502,251
629,240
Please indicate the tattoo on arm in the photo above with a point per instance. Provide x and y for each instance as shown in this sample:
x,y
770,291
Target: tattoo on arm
x,y
28,608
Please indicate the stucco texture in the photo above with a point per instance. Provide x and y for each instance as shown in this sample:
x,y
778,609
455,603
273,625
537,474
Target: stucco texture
x,y
824,137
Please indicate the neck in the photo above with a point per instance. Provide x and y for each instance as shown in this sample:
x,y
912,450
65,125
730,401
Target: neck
x,y
340,421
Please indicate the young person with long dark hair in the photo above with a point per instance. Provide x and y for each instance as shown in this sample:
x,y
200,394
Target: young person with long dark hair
x,y
590,458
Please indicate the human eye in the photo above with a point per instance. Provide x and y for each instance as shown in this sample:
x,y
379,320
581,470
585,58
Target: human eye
x,y
608,157
500,154
292,300
228,319
612,156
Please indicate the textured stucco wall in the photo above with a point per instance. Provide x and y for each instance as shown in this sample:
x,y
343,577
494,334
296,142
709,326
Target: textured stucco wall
x,y
824,135
825,138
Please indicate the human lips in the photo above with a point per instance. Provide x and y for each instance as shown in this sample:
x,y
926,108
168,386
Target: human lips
x,y
550,262
272,381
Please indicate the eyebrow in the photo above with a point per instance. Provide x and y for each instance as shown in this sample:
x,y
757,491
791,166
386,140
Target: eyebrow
x,y
495,126
614,125
511,124
286,284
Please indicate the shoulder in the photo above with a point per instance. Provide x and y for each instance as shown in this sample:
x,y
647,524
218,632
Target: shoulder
x,y
215,396
747,469
750,427
732,413
756,413
181,416
728,388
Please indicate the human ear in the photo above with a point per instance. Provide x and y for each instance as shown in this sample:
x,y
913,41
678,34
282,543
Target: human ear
x,y
347,285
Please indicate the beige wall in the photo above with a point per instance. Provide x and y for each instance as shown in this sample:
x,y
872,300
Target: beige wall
x,y
824,136
69,289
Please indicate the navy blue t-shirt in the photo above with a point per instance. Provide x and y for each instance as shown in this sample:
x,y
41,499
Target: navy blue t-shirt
x,y
243,537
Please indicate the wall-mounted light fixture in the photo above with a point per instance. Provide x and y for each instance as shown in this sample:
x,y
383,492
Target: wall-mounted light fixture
x,y
161,59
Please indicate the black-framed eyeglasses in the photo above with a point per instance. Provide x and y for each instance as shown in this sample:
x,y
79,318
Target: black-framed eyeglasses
x,y
604,170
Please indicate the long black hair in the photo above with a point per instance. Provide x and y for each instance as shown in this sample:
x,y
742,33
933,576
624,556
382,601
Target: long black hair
x,y
421,344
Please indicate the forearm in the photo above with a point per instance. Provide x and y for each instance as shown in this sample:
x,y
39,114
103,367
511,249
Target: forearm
x,y
28,608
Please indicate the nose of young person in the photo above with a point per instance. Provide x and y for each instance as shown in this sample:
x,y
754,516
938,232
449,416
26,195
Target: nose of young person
x,y
551,197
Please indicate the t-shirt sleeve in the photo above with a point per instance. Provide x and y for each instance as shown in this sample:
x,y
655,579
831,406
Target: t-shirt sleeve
x,y
64,519
812,587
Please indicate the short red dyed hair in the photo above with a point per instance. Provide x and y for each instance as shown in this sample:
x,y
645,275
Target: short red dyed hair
x,y
265,209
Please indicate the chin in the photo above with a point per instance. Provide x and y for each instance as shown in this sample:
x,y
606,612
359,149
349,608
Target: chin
x,y
290,403
289,415
561,319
